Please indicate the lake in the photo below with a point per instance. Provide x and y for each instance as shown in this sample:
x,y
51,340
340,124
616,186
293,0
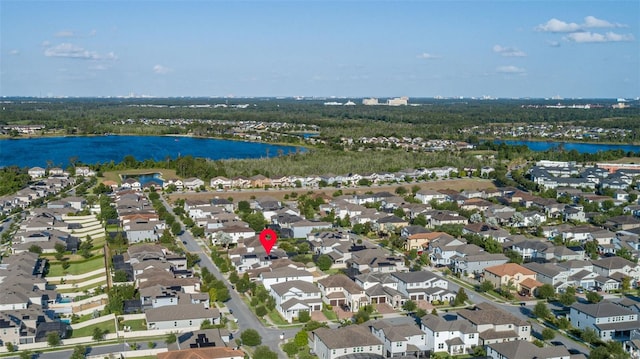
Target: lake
x,y
568,146
58,150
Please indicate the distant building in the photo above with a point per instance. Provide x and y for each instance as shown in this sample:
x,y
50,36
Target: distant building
x,y
398,101
370,101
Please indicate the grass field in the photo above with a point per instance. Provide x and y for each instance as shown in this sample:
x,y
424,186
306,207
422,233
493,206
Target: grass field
x,y
108,325
136,325
97,262
82,289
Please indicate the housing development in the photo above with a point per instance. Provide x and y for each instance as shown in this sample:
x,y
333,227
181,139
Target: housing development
x,y
372,265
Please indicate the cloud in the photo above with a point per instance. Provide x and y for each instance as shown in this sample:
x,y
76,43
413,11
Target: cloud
x,y
99,67
92,33
428,56
161,70
14,52
65,33
76,52
510,70
508,51
586,37
555,25
554,43
590,22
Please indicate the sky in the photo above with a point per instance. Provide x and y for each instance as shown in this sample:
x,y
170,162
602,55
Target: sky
x,y
506,49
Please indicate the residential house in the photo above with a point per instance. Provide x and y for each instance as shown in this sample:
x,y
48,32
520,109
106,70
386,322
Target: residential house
x,y
220,182
36,172
473,265
192,183
609,266
522,279
329,343
526,350
495,325
285,274
550,273
455,337
295,296
425,196
414,285
609,320
180,317
401,336
340,290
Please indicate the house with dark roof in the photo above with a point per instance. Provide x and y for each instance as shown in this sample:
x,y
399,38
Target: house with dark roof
x,y
609,320
401,336
495,325
526,350
296,296
455,337
340,290
414,285
182,316
349,341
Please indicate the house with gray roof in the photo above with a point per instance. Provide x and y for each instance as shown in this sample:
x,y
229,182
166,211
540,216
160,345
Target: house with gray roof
x,y
182,316
338,289
349,341
495,325
454,337
401,336
609,320
295,296
414,284
526,350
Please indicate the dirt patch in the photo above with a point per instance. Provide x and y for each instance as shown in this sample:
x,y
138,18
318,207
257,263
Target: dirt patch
x,y
318,316
244,195
341,313
384,308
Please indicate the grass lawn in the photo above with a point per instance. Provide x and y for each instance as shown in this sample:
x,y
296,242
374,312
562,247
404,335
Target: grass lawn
x,y
276,318
75,281
108,325
82,289
330,314
136,325
97,262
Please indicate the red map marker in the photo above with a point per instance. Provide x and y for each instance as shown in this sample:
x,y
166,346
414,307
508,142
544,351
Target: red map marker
x,y
268,239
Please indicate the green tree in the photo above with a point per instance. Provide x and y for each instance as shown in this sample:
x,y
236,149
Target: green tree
x,y
409,306
10,347
26,354
324,262
263,352
301,338
120,276
545,291
589,335
291,349
261,311
593,297
548,334
304,316
171,338
611,350
541,310
98,334
251,337
568,297
53,339
461,297
79,352
486,286
34,248
176,228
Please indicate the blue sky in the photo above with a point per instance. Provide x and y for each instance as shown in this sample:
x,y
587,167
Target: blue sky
x,y
320,48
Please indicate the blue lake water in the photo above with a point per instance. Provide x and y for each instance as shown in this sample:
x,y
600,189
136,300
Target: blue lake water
x,y
58,150
568,146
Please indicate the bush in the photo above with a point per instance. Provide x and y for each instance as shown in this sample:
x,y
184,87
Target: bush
x,y
251,337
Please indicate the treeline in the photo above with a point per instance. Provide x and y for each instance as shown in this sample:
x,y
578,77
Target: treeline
x,y
432,119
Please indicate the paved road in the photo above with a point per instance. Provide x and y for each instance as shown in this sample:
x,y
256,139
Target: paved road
x,y
246,318
97,350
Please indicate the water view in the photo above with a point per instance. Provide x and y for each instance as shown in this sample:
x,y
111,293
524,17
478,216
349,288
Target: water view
x,y
568,146
56,151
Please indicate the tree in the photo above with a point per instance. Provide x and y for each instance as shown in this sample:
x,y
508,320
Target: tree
x,y
304,316
120,276
589,335
291,349
593,297
261,311
27,354
409,306
171,338
401,191
176,228
301,338
324,262
486,286
568,297
611,350
34,248
541,311
251,338
79,352
10,347
60,248
548,334
461,297
53,339
98,334
263,352
546,291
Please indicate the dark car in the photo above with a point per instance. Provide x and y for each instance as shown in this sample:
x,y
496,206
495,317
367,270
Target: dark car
x,y
184,242
557,343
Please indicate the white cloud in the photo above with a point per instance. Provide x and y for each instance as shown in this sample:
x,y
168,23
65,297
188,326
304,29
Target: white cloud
x,y
554,43
590,22
65,33
555,25
508,51
76,52
159,69
99,67
510,70
14,52
92,33
428,56
586,37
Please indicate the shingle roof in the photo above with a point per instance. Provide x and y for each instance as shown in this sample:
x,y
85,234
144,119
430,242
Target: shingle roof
x,y
346,337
